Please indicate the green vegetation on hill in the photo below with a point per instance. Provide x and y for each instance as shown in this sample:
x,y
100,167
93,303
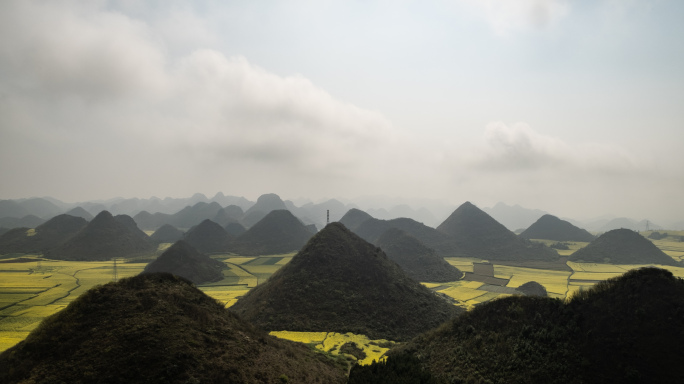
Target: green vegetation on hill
x,y
622,246
157,328
102,238
183,260
532,288
550,227
354,218
372,229
208,237
628,329
167,233
278,232
340,283
418,261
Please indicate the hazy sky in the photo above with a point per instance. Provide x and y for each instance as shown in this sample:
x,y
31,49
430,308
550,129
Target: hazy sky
x,y
574,107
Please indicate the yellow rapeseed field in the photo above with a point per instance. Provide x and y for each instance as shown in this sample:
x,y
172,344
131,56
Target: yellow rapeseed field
x,y
331,342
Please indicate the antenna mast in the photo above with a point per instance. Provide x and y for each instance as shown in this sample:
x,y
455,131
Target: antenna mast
x,y
115,272
327,221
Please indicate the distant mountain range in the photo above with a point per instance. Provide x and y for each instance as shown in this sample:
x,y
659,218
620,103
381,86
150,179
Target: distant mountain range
x,y
184,213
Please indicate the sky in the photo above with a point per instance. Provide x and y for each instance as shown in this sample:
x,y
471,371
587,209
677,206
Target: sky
x,y
572,107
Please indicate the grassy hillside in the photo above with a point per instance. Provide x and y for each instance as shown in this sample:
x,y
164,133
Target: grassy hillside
x,y
624,330
338,282
418,261
157,328
622,246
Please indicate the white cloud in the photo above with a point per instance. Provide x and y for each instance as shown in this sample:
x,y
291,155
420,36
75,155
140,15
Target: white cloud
x,y
507,16
518,147
84,76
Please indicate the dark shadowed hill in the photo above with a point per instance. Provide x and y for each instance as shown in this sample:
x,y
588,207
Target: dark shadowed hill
x,y
149,221
235,229
340,283
278,232
28,221
371,230
550,227
208,237
623,330
102,238
474,233
129,223
167,233
532,288
418,261
45,236
36,206
157,328
183,260
264,204
193,215
354,218
225,216
622,246
80,212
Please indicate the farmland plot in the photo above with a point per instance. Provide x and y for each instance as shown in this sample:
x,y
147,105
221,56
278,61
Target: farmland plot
x,y
331,342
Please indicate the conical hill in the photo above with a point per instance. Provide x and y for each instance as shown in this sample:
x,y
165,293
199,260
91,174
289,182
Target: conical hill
x,y
157,328
476,234
278,232
45,236
208,237
623,330
264,204
103,238
550,227
622,246
418,261
340,283
354,218
183,260
371,230
167,233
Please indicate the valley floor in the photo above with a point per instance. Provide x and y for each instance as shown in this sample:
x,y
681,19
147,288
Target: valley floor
x,y
32,288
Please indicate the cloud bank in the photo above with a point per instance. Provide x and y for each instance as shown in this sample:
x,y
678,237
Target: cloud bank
x,y
89,79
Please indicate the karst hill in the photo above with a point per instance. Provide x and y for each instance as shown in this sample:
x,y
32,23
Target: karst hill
x,y
44,237
208,237
340,283
473,233
622,246
185,261
278,232
417,260
354,218
628,329
167,233
157,328
103,238
550,227
264,204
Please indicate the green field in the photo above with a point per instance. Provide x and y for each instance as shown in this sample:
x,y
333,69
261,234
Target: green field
x,y
32,288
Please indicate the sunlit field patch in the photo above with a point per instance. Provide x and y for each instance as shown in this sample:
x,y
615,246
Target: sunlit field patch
x,y
465,264
227,294
238,260
572,245
555,282
331,342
